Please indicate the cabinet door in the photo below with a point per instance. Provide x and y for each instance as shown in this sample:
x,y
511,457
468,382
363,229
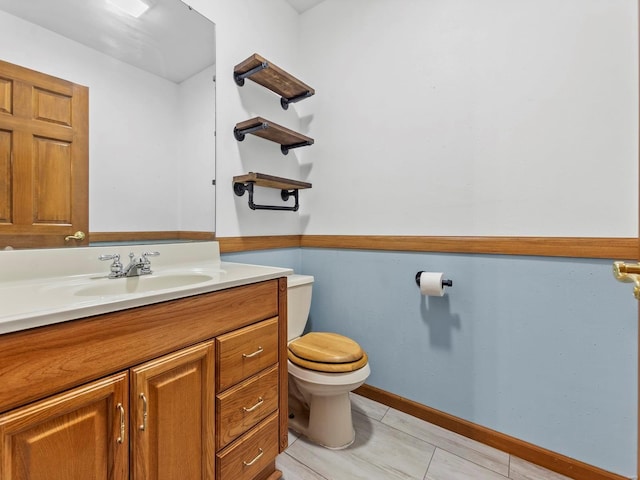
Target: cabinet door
x,y
77,435
172,403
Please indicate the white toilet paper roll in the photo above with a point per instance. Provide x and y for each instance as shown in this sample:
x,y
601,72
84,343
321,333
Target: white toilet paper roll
x,y
431,284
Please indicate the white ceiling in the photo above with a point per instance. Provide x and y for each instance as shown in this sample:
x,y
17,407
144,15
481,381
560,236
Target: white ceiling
x,y
154,42
303,5
170,39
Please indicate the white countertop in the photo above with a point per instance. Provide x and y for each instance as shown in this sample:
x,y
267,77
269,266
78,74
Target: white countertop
x,y
43,287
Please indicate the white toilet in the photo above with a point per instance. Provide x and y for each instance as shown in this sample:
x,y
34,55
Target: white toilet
x,y
323,369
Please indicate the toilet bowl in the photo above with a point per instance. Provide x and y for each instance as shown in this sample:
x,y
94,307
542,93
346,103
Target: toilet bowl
x,y
323,368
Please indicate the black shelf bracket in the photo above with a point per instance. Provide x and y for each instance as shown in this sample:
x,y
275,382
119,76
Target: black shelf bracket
x,y
240,188
285,148
240,134
284,102
239,77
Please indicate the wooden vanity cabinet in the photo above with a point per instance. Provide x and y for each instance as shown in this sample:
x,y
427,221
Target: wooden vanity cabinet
x,y
145,393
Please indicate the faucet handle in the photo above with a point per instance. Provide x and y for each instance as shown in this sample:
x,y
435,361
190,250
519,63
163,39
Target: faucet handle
x,y
146,264
116,266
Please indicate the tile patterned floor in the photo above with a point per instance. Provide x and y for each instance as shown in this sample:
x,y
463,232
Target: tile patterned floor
x,y
393,445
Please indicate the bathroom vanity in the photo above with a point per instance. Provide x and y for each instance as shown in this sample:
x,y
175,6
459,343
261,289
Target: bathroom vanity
x,y
174,383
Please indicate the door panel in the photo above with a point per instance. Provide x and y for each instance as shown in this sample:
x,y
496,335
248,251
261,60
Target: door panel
x,y
52,107
6,176
6,88
52,163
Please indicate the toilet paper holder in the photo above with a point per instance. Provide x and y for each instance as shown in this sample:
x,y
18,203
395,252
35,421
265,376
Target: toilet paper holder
x,y
445,283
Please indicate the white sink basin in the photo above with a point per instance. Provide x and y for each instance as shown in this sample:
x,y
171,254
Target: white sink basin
x,y
145,283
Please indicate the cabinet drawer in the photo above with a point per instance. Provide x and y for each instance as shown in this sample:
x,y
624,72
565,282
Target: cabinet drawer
x,y
250,454
245,352
243,406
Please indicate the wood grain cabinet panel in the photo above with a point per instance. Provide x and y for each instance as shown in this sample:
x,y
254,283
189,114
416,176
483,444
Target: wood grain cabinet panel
x,y
80,434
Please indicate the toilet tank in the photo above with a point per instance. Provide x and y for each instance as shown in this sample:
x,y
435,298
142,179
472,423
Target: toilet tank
x,y
298,303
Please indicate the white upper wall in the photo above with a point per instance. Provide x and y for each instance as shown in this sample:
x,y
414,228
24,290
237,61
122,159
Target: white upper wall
x,y
461,117
431,117
197,167
437,117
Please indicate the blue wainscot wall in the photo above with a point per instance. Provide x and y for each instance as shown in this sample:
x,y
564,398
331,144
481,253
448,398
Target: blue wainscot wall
x,y
542,349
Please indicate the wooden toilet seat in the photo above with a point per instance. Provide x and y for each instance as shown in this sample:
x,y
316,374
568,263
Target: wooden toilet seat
x,y
327,352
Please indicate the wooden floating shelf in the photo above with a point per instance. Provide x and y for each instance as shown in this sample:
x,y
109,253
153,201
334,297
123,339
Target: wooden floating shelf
x,y
270,76
288,188
268,130
270,181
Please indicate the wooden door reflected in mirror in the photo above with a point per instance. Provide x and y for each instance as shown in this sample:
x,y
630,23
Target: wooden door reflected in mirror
x,y
44,151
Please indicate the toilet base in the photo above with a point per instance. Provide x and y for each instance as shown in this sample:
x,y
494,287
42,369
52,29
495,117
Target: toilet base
x,y
327,421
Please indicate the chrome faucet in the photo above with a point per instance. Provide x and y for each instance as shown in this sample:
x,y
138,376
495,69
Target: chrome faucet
x,y
136,267
139,266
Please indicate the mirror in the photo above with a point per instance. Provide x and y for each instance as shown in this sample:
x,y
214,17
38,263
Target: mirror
x,y
151,86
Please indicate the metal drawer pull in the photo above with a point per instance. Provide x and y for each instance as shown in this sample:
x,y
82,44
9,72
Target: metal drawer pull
x,y
143,427
251,409
120,439
248,464
249,355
